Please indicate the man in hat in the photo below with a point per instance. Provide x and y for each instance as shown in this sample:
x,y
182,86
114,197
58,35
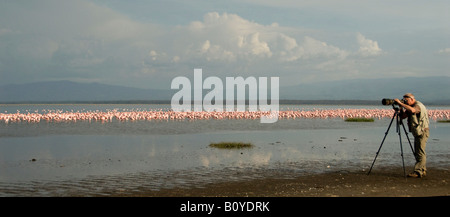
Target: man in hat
x,y
418,124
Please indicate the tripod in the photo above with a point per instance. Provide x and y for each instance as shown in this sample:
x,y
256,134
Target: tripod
x,y
398,123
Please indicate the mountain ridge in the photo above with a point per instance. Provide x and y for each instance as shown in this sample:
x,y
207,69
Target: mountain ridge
x,y
427,89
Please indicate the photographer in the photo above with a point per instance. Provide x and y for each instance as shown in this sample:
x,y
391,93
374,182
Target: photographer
x,y
418,124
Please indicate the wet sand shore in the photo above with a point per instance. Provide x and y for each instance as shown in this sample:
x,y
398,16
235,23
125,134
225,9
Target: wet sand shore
x,y
382,182
283,196
386,182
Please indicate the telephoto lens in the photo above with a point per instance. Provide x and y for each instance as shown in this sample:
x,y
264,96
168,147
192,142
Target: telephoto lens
x,y
387,101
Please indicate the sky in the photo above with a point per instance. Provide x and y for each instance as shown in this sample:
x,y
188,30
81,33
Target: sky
x,y
146,44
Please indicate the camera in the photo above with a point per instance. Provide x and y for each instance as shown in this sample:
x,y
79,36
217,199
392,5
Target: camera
x,y
391,101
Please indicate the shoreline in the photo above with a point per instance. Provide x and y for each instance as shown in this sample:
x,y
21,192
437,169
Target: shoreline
x,y
384,182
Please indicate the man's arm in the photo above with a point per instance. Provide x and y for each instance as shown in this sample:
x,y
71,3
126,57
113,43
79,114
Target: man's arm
x,y
407,107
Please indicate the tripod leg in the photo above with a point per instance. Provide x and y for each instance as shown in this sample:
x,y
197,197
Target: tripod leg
x,y
409,141
401,147
385,134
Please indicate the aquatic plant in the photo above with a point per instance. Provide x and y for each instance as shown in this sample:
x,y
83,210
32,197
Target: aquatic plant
x,y
231,145
359,120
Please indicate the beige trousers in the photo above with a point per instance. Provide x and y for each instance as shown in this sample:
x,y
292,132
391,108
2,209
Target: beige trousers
x,y
420,143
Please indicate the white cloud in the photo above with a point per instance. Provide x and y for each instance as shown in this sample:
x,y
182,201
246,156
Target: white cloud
x,y
312,48
444,51
224,37
229,37
253,45
206,46
367,47
5,31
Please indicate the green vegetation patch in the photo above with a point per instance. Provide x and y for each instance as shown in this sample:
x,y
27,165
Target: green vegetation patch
x,y
359,120
231,145
444,121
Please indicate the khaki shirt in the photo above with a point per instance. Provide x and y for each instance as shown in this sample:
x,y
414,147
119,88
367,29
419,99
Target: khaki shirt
x,y
418,122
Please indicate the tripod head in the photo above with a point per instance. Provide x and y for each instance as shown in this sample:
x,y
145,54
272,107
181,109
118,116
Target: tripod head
x,y
396,107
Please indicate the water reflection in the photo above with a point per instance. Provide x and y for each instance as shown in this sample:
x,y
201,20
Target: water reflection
x,y
64,156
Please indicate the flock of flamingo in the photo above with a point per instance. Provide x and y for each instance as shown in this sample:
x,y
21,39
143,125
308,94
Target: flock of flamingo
x,y
143,115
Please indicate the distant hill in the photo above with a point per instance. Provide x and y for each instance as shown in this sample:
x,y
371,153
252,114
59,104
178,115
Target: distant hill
x,y
435,90
68,91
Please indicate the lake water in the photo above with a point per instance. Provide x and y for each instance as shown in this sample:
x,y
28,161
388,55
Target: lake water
x,y
58,158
